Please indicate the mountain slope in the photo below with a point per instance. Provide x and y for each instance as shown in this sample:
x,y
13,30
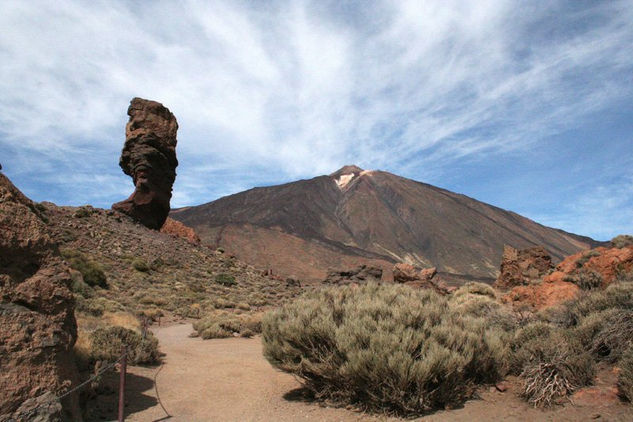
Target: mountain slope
x,y
353,216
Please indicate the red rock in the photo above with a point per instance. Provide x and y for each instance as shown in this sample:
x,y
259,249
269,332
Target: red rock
x,y
405,272
608,262
176,228
521,267
149,157
540,296
502,386
427,274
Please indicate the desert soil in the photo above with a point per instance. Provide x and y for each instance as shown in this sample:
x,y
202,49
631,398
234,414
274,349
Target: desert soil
x,y
229,380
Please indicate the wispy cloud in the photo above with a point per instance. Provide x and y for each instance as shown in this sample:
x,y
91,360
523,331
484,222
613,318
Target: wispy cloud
x,y
275,91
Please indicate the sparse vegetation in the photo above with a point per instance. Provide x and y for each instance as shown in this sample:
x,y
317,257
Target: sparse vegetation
x,y
585,257
384,347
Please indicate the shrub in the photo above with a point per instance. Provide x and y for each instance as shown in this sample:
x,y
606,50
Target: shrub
x,y
475,288
586,257
607,334
586,279
225,279
383,347
140,265
615,296
107,344
625,378
622,241
91,271
551,361
223,325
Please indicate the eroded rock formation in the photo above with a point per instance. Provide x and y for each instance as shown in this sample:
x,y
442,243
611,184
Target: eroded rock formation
x,y
37,322
149,157
523,266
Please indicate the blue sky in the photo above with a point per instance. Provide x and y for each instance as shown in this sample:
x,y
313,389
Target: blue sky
x,y
525,105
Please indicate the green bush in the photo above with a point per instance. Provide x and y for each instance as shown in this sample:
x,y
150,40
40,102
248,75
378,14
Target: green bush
x,y
225,279
586,257
140,265
625,378
383,347
91,271
108,342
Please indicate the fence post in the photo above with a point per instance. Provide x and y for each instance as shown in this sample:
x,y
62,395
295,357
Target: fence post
x,y
122,385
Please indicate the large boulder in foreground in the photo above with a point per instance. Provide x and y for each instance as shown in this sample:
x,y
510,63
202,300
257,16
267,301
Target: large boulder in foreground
x,y
149,157
523,266
37,321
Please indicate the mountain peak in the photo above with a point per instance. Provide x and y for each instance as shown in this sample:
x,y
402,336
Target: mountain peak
x,y
346,169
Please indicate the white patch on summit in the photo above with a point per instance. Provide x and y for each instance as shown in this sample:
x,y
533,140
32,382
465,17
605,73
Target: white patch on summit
x,y
344,180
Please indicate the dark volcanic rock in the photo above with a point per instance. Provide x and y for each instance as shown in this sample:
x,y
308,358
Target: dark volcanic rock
x,y
361,274
37,321
521,267
149,157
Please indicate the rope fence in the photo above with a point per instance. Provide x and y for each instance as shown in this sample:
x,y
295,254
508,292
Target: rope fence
x,y
122,360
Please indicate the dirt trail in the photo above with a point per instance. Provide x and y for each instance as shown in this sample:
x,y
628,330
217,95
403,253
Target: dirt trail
x,y
229,380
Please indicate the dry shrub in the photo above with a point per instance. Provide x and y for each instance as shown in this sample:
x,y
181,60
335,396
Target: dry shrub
x,y
615,296
476,288
622,241
108,342
586,279
551,361
625,378
383,347
222,325
608,333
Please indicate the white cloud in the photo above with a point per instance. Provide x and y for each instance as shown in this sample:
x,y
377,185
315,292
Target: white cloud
x,y
295,89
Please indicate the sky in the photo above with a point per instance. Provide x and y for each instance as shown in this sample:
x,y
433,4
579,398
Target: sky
x,y
527,106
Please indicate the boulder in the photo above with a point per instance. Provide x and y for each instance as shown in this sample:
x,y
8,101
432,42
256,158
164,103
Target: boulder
x,y
37,321
405,272
176,228
149,157
361,274
522,267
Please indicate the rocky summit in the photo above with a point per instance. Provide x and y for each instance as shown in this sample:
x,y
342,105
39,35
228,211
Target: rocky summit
x,y
149,157
307,228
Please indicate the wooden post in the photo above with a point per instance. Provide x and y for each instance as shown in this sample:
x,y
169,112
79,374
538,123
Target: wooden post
x,y
122,385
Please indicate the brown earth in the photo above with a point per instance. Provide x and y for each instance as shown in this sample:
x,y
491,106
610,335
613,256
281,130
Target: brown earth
x,y
306,228
229,380
176,228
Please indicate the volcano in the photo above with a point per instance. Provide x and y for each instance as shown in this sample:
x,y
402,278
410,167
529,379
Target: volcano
x,y
306,228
